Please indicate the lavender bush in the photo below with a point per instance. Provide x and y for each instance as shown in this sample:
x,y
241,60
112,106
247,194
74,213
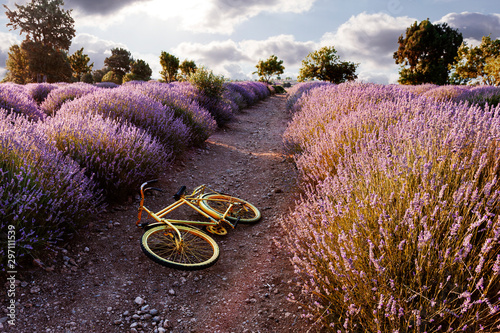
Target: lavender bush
x,y
39,91
403,234
241,96
117,155
57,97
180,98
124,104
43,194
14,98
323,105
295,93
482,95
209,92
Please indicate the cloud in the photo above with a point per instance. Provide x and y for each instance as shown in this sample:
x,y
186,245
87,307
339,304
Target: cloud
x,y
219,16
474,25
370,39
100,7
285,47
234,59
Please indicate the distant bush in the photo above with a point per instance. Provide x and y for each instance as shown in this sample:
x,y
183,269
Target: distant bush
x,y
87,78
279,90
112,77
107,85
210,91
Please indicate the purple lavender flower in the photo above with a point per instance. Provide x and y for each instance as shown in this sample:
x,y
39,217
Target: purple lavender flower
x,y
14,98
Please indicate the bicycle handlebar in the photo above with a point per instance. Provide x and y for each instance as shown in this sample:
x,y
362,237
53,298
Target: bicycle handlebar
x,y
150,188
179,193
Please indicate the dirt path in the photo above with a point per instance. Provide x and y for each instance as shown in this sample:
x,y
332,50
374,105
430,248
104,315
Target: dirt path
x,y
102,282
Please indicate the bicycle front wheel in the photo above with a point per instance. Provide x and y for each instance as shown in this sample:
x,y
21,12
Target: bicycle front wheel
x,y
196,250
216,205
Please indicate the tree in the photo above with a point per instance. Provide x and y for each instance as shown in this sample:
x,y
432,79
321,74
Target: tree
x,y
45,63
170,65
266,69
139,70
426,52
98,74
478,63
80,64
113,77
43,21
49,30
17,66
325,65
119,61
187,67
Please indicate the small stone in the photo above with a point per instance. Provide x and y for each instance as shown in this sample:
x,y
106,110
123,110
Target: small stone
x,y
118,322
38,262
167,324
136,317
145,308
153,312
139,300
86,249
35,290
171,291
126,313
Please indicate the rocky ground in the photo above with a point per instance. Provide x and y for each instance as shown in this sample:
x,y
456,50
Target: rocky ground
x,y
101,281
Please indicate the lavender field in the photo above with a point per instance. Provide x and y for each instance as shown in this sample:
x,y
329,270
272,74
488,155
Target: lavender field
x,y
398,228
68,150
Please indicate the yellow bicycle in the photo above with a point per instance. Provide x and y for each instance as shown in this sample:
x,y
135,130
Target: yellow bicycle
x,y
179,243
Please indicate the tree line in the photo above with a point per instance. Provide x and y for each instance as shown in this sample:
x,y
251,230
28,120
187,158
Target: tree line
x,y
427,53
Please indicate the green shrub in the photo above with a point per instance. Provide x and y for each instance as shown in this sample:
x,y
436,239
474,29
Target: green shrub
x,y
279,90
113,77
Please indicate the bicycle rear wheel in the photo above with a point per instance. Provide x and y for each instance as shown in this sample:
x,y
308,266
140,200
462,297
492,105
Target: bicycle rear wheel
x,y
195,251
215,205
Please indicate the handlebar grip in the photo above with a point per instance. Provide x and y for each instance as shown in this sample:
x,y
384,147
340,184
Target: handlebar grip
x,y
181,191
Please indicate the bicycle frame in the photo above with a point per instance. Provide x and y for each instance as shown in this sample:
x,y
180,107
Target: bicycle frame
x,y
192,201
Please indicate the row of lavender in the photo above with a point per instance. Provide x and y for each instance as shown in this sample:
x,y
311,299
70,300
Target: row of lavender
x,y
69,149
399,227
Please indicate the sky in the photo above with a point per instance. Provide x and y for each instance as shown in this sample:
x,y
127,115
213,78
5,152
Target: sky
x,y
229,37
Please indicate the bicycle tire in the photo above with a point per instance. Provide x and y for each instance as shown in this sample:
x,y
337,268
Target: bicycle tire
x,y
199,250
247,212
